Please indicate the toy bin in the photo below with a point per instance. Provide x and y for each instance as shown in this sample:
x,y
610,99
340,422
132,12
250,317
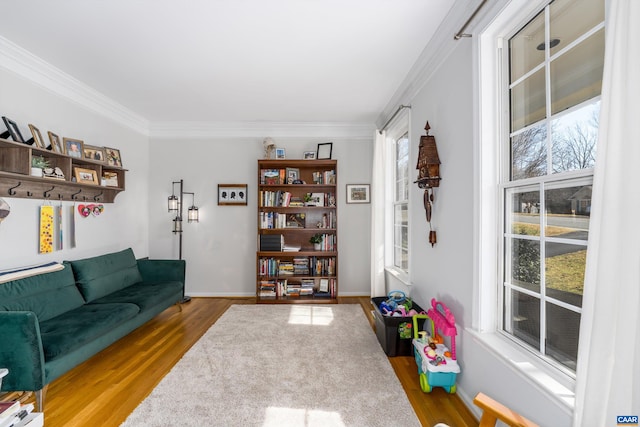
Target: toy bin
x,y
437,365
390,328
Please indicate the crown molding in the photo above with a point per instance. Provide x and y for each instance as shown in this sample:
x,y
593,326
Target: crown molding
x,y
30,67
203,130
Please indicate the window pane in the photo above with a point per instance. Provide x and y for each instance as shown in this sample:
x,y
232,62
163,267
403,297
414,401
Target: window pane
x,y
563,327
523,52
564,272
525,214
402,169
567,212
576,76
529,153
401,237
572,18
574,138
525,263
525,318
528,101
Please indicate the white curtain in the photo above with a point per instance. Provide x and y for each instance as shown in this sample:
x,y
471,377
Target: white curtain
x,y
377,217
608,370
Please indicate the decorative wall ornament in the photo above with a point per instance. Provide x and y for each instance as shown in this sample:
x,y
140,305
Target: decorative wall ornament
x,y
5,209
428,175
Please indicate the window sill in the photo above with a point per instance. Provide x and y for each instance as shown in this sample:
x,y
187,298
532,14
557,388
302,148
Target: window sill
x,y
551,381
399,275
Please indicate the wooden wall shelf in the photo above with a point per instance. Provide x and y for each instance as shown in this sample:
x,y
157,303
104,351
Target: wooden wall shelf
x,y
16,179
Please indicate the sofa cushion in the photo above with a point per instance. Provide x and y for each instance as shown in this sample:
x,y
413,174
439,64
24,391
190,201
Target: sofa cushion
x,y
101,275
47,295
145,294
75,328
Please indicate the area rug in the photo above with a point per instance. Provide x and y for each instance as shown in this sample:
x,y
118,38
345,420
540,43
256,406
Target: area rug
x,y
281,366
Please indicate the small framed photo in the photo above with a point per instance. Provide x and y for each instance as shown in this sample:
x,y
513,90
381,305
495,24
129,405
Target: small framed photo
x,y
324,151
13,129
232,194
73,147
37,137
86,176
56,145
309,155
358,193
113,156
293,174
280,153
91,152
110,179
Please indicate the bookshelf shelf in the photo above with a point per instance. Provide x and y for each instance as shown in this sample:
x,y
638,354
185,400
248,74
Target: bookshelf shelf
x,y
297,200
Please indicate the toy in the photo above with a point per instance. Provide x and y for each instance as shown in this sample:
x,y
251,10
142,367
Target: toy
x,y
437,365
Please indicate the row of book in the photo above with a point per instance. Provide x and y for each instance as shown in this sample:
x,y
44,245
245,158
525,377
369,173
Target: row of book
x,y
285,199
324,177
284,288
292,176
269,220
299,266
15,414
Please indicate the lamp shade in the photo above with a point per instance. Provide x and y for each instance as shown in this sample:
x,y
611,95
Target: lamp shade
x,y
193,214
177,225
173,203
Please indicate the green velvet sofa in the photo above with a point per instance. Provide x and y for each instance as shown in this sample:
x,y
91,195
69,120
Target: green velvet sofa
x,y
52,322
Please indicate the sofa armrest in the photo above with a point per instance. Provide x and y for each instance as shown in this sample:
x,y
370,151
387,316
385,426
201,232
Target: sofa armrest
x,y
155,270
21,351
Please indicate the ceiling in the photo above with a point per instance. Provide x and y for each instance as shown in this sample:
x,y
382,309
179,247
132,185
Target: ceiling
x,y
232,60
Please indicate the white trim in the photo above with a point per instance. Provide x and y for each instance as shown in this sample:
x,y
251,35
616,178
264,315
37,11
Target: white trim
x,y
32,68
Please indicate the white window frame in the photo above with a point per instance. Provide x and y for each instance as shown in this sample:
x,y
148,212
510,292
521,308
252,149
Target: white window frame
x,y
398,128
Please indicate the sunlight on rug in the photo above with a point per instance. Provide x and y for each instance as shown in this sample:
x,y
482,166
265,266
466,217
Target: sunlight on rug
x,y
284,366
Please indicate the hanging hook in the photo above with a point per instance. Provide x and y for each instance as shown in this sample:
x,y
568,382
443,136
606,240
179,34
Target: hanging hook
x,y
73,196
13,193
97,197
29,194
46,193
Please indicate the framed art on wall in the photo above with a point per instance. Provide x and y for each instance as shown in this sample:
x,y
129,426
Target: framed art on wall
x,y
324,151
232,194
358,193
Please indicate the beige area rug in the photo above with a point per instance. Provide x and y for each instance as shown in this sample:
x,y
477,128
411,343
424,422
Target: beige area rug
x,y
279,366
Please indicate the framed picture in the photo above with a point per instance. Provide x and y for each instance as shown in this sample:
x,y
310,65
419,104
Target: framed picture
x,y
91,152
86,176
73,147
280,153
37,137
232,194
13,129
293,174
324,151
309,155
110,179
358,193
113,156
56,146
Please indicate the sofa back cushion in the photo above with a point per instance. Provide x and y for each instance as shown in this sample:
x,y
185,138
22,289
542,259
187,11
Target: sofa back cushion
x,y
48,295
101,275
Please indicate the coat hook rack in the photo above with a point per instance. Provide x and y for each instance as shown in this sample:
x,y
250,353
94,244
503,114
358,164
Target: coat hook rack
x,y
47,193
74,195
13,193
97,197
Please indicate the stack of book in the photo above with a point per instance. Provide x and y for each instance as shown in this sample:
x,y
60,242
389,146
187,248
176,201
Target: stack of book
x,y
13,414
271,242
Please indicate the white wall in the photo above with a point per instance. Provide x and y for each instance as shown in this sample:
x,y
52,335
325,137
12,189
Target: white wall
x,y
221,249
123,224
445,271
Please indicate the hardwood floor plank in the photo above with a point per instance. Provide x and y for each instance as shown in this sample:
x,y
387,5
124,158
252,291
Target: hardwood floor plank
x,y
108,387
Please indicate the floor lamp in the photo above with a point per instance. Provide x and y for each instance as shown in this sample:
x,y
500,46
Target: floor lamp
x,y
175,204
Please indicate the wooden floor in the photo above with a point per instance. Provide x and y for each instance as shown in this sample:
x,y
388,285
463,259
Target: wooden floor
x,y
108,387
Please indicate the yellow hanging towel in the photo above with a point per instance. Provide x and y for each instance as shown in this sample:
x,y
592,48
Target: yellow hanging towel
x,y
46,229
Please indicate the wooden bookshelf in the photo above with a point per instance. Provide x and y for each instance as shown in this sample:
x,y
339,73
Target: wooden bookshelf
x,y
289,269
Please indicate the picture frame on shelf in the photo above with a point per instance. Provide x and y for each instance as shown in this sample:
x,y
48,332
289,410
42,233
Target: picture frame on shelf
x,y
85,176
113,157
309,155
293,174
232,194
280,153
92,152
109,179
37,137
324,151
73,147
56,146
14,130
358,193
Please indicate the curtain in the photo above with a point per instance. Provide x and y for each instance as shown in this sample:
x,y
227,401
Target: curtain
x,y
377,216
608,369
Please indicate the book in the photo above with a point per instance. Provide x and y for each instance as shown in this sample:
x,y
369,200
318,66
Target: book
x,y
7,409
271,242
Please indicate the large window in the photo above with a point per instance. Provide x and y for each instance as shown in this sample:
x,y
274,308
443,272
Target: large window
x,y
553,77
401,204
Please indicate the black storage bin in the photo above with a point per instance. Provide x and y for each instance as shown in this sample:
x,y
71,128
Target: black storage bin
x,y
387,330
